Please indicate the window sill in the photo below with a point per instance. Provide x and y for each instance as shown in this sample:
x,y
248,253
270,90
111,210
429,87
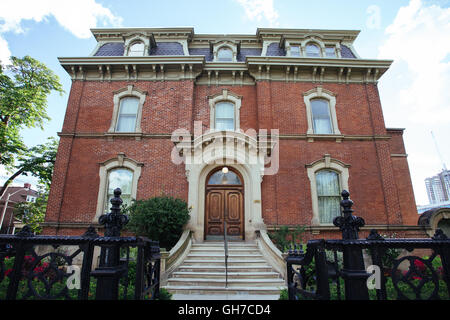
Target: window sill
x,y
112,135
337,137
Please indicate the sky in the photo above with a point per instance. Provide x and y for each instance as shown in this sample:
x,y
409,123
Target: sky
x,y
415,91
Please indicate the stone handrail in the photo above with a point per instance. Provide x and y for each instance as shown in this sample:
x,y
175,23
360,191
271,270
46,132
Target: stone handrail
x,y
172,259
270,252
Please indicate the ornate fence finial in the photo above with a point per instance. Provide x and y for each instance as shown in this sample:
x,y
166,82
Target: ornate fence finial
x,y
374,235
26,232
348,223
439,235
114,221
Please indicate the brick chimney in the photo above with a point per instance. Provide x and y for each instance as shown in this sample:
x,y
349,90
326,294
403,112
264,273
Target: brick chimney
x,y
27,185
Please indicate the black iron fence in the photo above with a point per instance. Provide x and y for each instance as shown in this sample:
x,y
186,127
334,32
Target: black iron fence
x,y
377,267
61,267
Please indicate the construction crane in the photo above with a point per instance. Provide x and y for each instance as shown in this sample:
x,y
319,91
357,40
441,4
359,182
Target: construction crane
x,y
439,154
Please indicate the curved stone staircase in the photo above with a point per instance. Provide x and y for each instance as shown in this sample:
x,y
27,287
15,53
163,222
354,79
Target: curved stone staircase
x,y
201,276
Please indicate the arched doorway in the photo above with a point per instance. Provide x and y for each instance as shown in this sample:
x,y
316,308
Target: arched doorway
x,y
224,202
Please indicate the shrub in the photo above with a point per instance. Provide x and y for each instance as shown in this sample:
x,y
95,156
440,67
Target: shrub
x,y
159,218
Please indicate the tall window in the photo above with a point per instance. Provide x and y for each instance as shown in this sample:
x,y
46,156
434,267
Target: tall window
x,y
126,122
119,178
136,49
225,54
312,50
321,116
327,183
224,116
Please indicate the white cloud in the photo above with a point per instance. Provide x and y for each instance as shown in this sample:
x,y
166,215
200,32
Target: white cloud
x,y
75,16
415,91
258,9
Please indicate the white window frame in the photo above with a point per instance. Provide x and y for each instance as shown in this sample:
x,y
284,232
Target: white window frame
x,y
224,44
320,93
130,40
225,96
130,91
326,163
120,162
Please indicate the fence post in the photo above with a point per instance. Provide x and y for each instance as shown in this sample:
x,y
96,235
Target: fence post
x,y
444,252
16,274
109,271
354,273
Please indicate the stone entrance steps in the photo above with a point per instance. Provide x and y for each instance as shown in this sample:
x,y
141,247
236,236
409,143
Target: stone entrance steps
x,y
202,274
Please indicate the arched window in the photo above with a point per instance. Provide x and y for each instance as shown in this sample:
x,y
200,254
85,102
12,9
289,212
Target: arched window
x,y
119,178
328,195
321,117
136,49
328,177
312,50
126,121
321,112
224,116
225,54
224,177
127,111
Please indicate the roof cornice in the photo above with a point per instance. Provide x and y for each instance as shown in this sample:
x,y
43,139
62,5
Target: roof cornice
x,y
326,34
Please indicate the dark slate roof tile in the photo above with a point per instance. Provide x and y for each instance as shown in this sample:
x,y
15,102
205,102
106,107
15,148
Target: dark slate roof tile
x,y
248,52
110,49
167,49
274,50
201,52
346,52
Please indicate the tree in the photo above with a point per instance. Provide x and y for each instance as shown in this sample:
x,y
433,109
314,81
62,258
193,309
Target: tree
x,y
24,88
159,218
39,162
33,213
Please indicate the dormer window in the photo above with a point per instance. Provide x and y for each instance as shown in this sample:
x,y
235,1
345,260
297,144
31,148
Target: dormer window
x,y
330,52
224,50
225,54
137,49
295,51
312,50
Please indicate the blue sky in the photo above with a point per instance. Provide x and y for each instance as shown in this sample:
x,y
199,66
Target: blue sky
x,y
415,34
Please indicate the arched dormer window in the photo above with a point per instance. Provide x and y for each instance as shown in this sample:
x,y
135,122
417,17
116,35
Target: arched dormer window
x,y
328,177
225,54
321,111
137,49
225,111
313,50
127,111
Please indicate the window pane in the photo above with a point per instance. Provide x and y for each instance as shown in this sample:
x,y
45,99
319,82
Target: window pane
x,y
321,116
224,178
224,113
295,51
136,49
312,50
327,183
119,178
224,124
127,115
225,54
129,105
330,52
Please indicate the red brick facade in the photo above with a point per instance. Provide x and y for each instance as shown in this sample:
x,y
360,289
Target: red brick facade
x,y
379,178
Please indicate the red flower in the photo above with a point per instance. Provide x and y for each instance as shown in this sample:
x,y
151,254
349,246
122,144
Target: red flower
x,y
7,272
420,265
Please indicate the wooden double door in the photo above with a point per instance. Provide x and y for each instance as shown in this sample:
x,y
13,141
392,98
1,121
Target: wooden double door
x,y
224,204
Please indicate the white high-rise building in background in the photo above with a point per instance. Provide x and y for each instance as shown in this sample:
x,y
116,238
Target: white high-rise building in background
x,y
438,187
